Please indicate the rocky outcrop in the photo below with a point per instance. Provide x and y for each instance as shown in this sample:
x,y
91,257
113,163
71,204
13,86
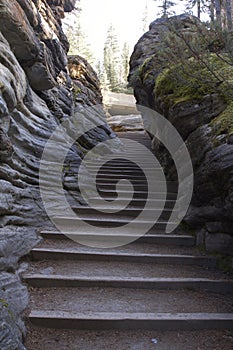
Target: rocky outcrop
x,y
203,118
36,95
123,123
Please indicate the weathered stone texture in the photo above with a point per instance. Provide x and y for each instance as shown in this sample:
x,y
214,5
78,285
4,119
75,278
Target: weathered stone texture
x,y
211,152
36,95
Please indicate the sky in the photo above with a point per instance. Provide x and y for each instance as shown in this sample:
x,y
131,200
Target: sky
x,y
125,15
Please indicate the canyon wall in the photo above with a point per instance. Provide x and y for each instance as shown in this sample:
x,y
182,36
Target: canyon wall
x,y
39,89
203,118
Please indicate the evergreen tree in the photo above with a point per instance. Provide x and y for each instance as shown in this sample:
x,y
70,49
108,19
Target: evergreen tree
x,y
199,4
218,10
102,75
166,7
112,60
145,19
79,43
125,64
228,11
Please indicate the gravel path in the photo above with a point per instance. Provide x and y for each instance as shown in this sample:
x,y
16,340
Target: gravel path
x,y
119,269
143,248
128,300
48,339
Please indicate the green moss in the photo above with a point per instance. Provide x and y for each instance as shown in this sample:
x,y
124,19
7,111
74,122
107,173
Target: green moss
x,y
5,304
223,123
76,91
143,68
191,81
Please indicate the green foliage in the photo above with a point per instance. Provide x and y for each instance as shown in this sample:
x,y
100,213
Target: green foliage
x,y
4,303
77,38
194,61
194,80
166,7
223,123
76,92
115,69
125,64
193,66
201,5
112,59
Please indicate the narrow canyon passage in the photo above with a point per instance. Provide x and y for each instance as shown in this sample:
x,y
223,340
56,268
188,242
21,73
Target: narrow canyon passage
x,y
113,237
158,289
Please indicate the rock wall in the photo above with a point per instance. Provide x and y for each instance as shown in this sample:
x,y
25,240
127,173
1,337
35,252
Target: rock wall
x,y
37,93
204,120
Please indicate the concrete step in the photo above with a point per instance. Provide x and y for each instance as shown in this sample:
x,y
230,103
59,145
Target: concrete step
x,y
196,284
153,321
155,203
129,248
120,172
120,162
130,212
130,300
140,180
136,227
51,338
73,224
68,254
121,269
161,239
111,194
108,168
103,184
134,177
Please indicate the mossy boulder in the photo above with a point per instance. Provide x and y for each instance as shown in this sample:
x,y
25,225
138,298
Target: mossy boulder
x,y
196,96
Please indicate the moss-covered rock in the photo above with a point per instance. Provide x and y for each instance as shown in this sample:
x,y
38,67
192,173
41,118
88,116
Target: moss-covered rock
x,y
223,123
195,94
193,81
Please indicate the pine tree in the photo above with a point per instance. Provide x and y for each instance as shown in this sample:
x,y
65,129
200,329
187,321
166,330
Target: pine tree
x,y
229,14
112,59
145,19
125,64
166,7
79,43
201,6
102,75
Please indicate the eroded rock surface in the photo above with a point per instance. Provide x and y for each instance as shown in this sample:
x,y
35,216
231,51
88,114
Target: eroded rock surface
x,y
203,121
36,95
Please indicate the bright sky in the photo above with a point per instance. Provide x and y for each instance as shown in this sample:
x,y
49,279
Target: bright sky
x,y
125,15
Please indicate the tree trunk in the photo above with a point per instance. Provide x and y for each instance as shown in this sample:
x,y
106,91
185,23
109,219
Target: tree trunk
x,y
218,7
199,9
212,7
229,14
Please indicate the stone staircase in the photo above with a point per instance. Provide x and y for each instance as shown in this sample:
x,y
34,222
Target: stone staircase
x,y
157,292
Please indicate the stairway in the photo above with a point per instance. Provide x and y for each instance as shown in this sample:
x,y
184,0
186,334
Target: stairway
x,y
158,292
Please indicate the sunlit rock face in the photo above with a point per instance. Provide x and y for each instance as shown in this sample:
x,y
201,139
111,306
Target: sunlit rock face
x,y
200,120
36,95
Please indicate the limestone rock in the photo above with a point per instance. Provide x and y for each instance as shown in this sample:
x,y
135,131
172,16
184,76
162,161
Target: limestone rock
x,y
86,85
13,300
17,30
198,117
36,96
121,123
